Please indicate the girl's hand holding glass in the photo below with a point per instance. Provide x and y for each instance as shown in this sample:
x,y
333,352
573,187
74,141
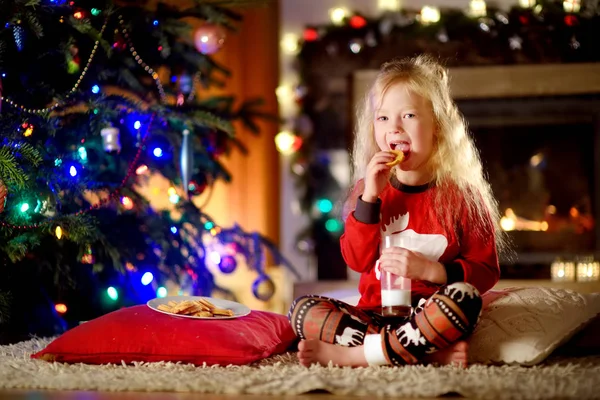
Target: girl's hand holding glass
x,y
412,265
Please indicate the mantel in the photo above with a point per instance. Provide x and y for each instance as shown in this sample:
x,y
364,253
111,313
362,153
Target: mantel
x,y
508,81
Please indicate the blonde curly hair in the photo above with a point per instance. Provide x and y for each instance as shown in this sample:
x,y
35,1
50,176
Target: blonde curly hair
x,y
455,162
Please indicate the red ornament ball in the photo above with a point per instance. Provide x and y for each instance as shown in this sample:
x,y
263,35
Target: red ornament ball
x,y
358,22
209,38
197,186
571,20
310,34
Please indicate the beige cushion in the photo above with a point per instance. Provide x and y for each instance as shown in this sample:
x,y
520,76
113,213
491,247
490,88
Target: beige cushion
x,y
524,325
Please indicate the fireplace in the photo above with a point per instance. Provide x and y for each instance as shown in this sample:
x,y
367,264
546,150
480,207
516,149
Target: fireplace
x,y
542,158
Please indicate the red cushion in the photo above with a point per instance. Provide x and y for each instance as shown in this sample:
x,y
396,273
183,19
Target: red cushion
x,y
140,334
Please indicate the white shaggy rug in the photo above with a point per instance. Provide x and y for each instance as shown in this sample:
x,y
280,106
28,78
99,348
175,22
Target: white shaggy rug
x,y
282,375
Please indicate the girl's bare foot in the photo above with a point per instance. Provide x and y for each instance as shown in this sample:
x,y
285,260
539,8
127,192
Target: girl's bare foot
x,y
456,354
317,352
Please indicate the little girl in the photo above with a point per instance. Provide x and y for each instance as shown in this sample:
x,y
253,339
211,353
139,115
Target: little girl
x,y
439,200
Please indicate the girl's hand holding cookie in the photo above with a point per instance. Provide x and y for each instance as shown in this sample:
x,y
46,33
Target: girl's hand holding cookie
x,y
376,176
412,265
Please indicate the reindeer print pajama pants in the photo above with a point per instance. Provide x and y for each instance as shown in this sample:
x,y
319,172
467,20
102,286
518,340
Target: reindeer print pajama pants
x,y
446,317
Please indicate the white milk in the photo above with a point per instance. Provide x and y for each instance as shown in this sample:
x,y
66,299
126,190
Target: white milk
x,y
395,297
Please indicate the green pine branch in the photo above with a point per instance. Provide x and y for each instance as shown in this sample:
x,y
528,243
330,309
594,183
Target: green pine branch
x,y
85,27
18,247
33,21
10,170
80,229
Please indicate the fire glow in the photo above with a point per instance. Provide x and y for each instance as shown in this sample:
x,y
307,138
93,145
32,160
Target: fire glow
x,y
512,222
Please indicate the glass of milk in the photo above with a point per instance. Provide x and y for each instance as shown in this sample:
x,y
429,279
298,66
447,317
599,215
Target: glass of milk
x,y
395,290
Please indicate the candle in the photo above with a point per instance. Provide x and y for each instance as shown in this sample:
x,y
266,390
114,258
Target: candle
x,y
562,271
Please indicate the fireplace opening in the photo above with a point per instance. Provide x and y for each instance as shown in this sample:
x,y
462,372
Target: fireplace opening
x,y
542,159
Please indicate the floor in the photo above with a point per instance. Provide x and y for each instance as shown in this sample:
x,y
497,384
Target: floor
x,y
63,395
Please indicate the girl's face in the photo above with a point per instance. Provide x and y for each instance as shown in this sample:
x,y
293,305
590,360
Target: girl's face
x,y
405,122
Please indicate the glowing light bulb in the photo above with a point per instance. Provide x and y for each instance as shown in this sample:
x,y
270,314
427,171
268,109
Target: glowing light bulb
x,y
527,3
333,225
58,232
215,257
571,6
127,202
430,15
82,153
112,293
157,152
286,142
137,125
477,8
141,169
73,171
388,5
325,205
161,292
60,308
147,278
289,43
95,89
337,15
29,131
174,229
24,207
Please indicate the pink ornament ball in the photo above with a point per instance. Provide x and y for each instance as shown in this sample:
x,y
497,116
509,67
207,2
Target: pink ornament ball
x,y
209,38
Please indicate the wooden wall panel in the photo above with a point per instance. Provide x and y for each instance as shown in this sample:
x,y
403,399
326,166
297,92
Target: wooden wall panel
x,y
252,198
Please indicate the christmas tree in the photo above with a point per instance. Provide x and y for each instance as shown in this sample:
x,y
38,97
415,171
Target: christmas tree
x,y
95,97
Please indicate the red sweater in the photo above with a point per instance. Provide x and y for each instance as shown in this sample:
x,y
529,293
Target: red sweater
x,y
405,211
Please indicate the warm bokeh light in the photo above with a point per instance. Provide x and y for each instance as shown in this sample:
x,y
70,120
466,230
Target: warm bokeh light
x,y
430,15
60,308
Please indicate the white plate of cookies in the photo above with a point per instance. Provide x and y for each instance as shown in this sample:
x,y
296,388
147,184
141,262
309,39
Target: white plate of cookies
x,y
198,307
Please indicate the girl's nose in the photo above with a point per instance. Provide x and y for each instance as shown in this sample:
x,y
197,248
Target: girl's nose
x,y
398,123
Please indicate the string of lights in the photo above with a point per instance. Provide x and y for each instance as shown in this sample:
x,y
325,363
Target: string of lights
x,y
113,195
57,104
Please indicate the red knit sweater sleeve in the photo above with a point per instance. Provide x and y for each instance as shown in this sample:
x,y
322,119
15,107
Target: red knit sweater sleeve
x,y
360,241
360,244
478,257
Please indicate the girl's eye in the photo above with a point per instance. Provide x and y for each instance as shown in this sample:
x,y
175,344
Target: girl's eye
x,y
382,118
409,115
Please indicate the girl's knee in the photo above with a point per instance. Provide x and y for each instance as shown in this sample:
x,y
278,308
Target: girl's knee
x,y
461,290
308,306
467,298
296,305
